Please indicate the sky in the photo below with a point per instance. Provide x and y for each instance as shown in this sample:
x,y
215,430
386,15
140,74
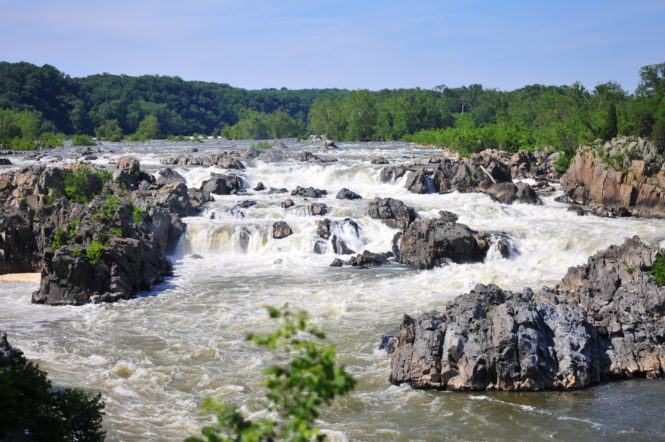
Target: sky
x,y
357,44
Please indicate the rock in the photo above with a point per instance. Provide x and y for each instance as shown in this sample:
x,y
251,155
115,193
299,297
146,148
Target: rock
x,y
378,160
288,203
272,156
393,173
219,184
388,344
168,175
308,192
259,187
427,244
323,228
281,230
274,190
318,209
577,209
565,199
507,193
246,204
5,162
368,259
129,165
346,194
309,157
337,263
18,247
394,212
221,159
624,176
329,144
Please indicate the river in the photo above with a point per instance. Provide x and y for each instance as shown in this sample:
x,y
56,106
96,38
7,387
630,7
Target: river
x,y
155,357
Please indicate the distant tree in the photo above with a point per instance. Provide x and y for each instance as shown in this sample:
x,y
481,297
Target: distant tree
x,y
109,131
360,110
149,127
610,129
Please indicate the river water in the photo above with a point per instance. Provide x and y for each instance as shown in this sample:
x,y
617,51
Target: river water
x,y
155,357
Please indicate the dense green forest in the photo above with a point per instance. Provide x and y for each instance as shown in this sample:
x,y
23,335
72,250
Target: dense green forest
x,y
36,103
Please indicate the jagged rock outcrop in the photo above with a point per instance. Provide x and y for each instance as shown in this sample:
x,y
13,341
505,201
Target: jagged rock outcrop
x,y
621,177
603,321
426,244
96,234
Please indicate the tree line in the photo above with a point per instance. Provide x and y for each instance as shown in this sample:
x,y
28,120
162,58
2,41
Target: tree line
x,y
36,102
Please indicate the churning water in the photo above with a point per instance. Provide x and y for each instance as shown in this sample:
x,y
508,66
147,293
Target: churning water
x,y
155,357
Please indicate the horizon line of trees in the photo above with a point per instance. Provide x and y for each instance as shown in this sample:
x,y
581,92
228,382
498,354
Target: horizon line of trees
x,y
38,102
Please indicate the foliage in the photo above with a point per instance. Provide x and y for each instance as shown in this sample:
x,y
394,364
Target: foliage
x,y
563,162
296,390
110,130
138,215
94,251
82,184
82,140
610,129
261,146
658,270
60,238
29,404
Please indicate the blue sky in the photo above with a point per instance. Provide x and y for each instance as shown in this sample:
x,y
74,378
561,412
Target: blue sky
x,y
348,44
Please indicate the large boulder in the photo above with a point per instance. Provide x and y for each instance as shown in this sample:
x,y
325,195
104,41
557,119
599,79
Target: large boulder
x,y
281,230
508,193
308,192
430,243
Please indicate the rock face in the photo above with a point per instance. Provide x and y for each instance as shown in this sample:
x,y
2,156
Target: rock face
x,y
625,176
94,237
603,321
430,243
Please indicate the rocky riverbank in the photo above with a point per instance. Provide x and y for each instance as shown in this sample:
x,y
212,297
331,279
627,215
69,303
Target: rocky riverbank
x,y
603,321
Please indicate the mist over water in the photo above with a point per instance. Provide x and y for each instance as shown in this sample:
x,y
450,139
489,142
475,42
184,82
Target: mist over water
x,y
155,357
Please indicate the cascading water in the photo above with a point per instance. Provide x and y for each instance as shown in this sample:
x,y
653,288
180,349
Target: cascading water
x,y
154,358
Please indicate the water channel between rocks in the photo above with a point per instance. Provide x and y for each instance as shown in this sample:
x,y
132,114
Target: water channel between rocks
x,y
157,356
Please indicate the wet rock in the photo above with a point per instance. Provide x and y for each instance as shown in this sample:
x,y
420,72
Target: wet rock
x,y
577,209
329,144
281,230
288,203
5,162
368,259
220,184
277,190
565,199
393,173
246,204
426,244
394,212
309,157
388,344
378,160
308,192
259,187
507,193
318,209
323,228
346,194
337,263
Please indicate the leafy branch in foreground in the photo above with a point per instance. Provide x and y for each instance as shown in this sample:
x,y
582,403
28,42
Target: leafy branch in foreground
x,y
296,389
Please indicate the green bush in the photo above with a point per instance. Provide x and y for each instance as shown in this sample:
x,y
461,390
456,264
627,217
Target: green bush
x,y
261,146
60,238
139,215
83,140
658,270
31,406
563,162
296,390
94,251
